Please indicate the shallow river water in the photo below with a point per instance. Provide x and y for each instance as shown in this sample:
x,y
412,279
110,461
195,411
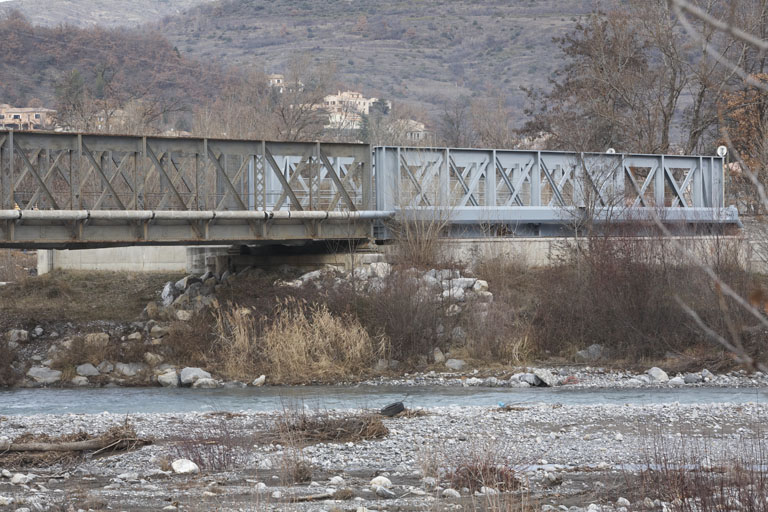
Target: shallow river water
x,y
152,400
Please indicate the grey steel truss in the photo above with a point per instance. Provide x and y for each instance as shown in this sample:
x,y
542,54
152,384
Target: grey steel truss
x,y
548,190
77,190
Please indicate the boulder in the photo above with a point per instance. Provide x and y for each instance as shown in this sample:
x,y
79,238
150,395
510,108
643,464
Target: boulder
x,y
184,467
183,315
657,375
451,493
205,384
43,375
130,369
259,381
456,293
18,336
168,294
381,481
96,340
337,481
158,331
380,269
185,282
693,378
455,364
707,375
152,359
546,377
529,378
590,354
480,286
676,381
169,379
190,375
79,381
438,355
87,370
135,336
105,367
383,492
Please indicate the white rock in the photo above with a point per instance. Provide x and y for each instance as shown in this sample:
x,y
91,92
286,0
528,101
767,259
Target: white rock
x,y
169,379
19,479
337,480
259,381
277,495
87,370
17,335
623,502
183,315
381,481
676,381
380,269
190,375
97,340
261,487
451,493
205,384
79,381
44,375
545,376
438,355
6,473
130,369
135,336
184,467
480,286
383,492
455,364
657,375
490,491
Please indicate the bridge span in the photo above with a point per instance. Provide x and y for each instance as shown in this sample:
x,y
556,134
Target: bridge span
x,y
73,190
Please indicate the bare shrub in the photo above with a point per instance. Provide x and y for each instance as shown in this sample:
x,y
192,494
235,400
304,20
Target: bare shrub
x,y
191,343
8,376
213,447
304,427
694,475
483,467
16,265
499,334
625,293
418,243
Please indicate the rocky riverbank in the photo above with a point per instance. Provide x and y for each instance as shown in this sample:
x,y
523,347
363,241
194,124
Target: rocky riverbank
x,y
560,457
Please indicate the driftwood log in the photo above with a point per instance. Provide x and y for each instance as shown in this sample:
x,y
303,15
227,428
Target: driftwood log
x,y
96,445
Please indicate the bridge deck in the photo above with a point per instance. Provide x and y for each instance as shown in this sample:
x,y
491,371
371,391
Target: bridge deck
x,y
81,190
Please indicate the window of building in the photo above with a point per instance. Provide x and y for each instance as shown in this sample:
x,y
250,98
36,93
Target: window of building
x,y
2,116
16,116
37,116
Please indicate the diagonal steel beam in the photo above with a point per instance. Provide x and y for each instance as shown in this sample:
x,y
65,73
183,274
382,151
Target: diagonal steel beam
x,y
220,171
36,175
47,176
161,170
100,171
336,181
286,186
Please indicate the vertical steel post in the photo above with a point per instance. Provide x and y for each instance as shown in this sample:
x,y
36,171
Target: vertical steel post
x,y
490,181
658,183
536,180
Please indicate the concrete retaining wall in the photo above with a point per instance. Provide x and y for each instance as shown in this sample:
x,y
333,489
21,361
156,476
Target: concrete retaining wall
x,y
126,259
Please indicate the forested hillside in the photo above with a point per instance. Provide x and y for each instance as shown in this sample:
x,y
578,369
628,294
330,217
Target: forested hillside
x,y
39,62
419,51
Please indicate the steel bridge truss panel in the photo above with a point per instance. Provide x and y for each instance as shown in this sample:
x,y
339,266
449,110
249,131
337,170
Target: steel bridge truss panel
x,y
491,180
103,172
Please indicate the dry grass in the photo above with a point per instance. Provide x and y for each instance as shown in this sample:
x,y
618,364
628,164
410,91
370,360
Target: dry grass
x,y
418,243
483,465
299,343
16,265
79,296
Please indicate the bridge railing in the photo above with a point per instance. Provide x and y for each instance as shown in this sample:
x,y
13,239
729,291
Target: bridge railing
x,y
63,171
509,185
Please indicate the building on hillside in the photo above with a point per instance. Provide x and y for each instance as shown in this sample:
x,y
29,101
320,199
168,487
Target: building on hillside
x,y
277,81
26,118
345,109
409,131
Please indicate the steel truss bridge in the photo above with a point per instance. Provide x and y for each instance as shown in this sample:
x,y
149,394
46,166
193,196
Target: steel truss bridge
x,y
72,190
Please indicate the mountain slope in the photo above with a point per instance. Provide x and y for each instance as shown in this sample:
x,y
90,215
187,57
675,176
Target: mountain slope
x,y
415,50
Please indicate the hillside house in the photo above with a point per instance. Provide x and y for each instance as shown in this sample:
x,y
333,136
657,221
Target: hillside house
x,y
26,118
